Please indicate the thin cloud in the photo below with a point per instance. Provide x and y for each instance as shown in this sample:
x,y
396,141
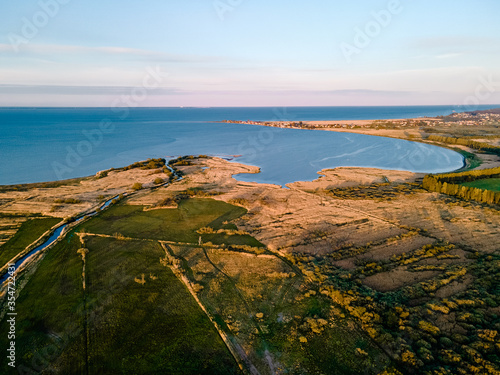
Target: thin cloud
x,y
110,51
453,41
449,56
79,90
448,45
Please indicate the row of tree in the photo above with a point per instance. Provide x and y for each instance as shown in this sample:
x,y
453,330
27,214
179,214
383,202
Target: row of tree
x,y
450,184
483,146
468,176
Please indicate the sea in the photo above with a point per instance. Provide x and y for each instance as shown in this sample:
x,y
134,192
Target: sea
x,y
48,144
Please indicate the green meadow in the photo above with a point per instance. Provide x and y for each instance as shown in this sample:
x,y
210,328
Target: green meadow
x,y
104,300
28,233
487,184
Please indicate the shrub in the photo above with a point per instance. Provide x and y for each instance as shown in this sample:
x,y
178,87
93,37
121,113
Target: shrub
x,y
101,174
166,202
137,186
428,327
147,164
158,181
68,201
238,202
446,342
197,288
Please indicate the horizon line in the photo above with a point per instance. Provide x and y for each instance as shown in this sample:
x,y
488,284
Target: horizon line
x,y
258,106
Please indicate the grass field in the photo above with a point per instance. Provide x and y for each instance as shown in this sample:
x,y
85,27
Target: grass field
x,y
117,325
237,287
488,184
171,224
47,318
28,233
156,327
135,316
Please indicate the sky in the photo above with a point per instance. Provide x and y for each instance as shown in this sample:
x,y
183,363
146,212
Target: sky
x,y
249,52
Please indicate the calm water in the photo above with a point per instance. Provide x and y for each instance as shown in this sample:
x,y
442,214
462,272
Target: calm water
x,y
49,144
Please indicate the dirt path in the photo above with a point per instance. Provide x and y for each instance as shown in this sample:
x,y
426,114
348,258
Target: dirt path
x,y
83,253
236,350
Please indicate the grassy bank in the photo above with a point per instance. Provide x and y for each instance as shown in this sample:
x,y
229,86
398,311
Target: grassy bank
x,y
472,161
28,233
486,184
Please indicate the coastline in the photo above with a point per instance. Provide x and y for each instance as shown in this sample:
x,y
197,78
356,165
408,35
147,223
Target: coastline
x,y
345,216
404,129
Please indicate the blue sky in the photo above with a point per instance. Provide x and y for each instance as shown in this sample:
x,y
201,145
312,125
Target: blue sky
x,y
249,52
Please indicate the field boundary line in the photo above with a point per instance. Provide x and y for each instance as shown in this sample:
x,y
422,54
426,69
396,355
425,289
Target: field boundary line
x,y
235,350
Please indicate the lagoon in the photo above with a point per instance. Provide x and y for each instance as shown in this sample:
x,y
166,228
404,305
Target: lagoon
x,y
44,144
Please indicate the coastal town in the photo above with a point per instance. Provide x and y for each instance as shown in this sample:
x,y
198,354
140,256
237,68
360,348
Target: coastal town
x,y
478,118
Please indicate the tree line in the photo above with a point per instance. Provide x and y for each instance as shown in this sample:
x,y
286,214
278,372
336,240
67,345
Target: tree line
x,y
450,184
465,141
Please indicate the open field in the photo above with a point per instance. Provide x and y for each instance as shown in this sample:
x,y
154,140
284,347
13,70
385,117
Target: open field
x,y
175,224
488,183
47,310
272,314
149,326
76,329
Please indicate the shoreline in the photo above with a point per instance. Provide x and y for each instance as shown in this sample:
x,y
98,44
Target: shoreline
x,y
231,158
384,214
403,129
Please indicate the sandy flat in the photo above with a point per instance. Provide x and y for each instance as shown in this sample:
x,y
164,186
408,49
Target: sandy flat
x,y
303,219
89,192
351,176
